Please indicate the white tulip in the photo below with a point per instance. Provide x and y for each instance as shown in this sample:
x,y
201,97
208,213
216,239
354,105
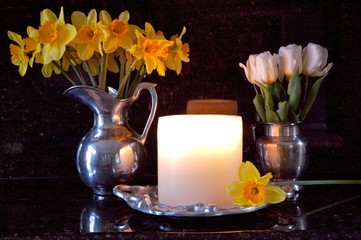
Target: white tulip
x,y
289,59
261,68
314,60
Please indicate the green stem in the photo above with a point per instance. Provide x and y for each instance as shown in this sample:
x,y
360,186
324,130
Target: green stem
x,y
103,72
87,69
315,182
125,79
122,60
122,84
64,73
79,75
137,79
76,68
306,87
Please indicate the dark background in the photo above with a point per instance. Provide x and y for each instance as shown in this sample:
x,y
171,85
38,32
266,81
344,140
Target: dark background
x,y
40,128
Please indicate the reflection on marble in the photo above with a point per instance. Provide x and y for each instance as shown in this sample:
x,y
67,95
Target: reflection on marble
x,y
101,213
67,209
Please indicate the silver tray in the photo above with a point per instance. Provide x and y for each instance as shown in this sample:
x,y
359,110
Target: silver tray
x,y
145,199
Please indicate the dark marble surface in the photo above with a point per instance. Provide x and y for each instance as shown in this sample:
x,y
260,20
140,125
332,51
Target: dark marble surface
x,y
66,209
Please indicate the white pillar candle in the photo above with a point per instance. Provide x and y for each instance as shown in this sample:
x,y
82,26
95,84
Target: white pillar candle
x,y
198,156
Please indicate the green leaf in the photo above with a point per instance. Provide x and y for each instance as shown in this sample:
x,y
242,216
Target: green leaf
x,y
276,89
267,95
258,102
271,115
294,91
282,111
293,117
311,96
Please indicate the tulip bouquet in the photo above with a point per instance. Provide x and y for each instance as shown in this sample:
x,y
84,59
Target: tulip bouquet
x,y
287,83
91,48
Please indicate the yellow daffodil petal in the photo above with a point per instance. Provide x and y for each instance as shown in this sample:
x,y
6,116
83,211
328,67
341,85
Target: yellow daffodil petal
x,y
48,16
16,38
110,45
85,51
149,63
33,33
48,69
248,171
264,180
105,17
160,67
23,67
52,52
67,33
149,30
112,63
274,194
92,17
234,189
78,19
124,16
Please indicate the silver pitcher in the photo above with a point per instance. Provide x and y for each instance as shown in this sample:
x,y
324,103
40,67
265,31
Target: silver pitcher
x,y
111,152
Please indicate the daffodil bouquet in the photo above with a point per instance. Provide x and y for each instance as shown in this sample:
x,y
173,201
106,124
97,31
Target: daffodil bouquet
x,y
287,83
86,49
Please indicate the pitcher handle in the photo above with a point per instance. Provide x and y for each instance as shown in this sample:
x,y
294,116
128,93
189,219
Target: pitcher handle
x,y
153,95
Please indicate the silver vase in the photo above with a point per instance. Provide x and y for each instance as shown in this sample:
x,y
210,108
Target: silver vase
x,y
111,152
283,152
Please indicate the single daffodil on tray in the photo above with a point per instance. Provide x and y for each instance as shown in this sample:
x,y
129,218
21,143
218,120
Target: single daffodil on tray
x,y
252,189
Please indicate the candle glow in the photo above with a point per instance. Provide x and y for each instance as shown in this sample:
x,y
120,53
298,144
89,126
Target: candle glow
x,y
198,155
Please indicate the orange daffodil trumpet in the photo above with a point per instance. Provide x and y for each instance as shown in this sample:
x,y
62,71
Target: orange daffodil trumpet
x,y
252,189
91,45
285,83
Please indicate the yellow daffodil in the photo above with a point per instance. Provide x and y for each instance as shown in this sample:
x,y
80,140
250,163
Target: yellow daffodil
x,y
89,36
54,34
92,45
152,48
253,190
178,53
18,52
119,32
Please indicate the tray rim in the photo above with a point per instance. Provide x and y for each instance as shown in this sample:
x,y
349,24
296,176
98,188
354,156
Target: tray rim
x,y
145,199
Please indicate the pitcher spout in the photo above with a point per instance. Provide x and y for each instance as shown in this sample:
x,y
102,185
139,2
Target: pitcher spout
x,y
98,101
